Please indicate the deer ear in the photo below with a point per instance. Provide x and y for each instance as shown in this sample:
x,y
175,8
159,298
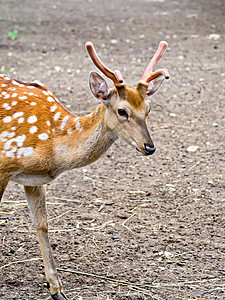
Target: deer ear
x,y
155,84
99,87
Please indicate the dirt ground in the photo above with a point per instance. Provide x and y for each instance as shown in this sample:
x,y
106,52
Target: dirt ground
x,y
129,226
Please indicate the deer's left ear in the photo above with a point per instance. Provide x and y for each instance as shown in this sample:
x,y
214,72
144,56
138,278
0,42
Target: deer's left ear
x,y
99,87
155,84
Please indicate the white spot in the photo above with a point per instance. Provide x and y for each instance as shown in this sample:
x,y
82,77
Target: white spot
x,y
30,93
19,140
10,154
7,119
38,82
13,128
11,134
30,86
48,123
6,77
28,151
4,105
32,119
33,103
64,121
22,97
8,107
15,82
70,131
56,116
50,93
78,125
14,95
45,93
4,93
53,108
4,134
4,85
76,119
14,103
7,96
33,129
43,136
20,120
18,114
50,99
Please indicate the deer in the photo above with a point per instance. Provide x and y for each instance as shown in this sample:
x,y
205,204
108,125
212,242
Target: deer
x,y
40,138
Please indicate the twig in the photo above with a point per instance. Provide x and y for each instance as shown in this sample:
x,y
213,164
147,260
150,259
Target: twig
x,y
123,224
135,287
60,215
99,227
20,261
129,285
65,199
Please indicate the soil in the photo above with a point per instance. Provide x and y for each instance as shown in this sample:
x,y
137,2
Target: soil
x,y
129,226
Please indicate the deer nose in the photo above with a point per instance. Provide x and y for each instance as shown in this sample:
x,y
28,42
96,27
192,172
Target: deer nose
x,y
149,150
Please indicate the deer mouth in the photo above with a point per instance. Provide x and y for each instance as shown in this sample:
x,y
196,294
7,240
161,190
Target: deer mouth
x,y
139,151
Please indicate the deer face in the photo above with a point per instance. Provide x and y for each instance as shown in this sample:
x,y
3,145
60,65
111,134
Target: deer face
x,y
127,108
127,111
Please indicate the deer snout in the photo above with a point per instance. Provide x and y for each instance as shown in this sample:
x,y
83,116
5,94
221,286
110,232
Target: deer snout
x,y
149,150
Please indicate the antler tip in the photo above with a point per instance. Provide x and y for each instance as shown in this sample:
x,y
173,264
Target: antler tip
x,y
88,44
163,43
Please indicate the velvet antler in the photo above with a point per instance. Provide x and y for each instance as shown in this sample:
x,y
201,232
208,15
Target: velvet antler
x,y
149,74
115,76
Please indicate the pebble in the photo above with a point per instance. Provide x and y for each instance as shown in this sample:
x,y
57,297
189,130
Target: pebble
x,y
192,148
57,68
114,41
214,36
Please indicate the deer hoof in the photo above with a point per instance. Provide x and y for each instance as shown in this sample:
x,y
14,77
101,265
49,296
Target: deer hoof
x,y
59,296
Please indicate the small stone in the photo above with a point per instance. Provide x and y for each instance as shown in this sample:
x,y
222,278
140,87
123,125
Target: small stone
x,y
114,41
172,190
215,124
214,36
57,68
192,148
168,254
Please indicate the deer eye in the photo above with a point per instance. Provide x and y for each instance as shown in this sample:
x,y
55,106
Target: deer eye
x,y
122,113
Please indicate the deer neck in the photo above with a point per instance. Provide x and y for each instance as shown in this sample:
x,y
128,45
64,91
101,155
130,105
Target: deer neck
x,y
83,141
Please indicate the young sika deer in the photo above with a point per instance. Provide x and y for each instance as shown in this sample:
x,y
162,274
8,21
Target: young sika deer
x,y
39,138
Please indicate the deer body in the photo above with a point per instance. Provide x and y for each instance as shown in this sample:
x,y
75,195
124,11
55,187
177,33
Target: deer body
x,y
40,138
35,146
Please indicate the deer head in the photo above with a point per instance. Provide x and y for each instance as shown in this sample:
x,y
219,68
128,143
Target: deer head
x,y
127,108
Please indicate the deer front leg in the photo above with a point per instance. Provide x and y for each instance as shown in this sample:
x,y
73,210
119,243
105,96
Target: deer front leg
x,y
36,201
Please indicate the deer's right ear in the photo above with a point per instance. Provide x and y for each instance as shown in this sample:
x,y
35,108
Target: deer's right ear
x,y
99,87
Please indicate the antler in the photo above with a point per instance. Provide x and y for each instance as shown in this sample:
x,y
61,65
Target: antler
x,y
115,76
148,74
